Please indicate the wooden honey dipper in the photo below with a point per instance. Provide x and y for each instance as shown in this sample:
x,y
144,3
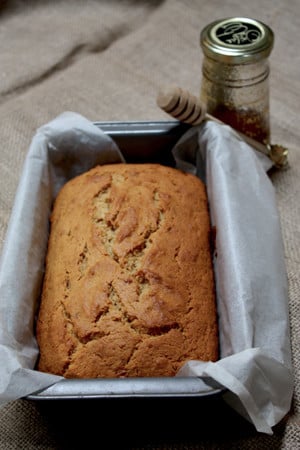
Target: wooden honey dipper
x,y
182,105
188,108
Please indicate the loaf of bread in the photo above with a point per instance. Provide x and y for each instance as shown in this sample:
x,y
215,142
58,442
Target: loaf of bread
x,y
129,286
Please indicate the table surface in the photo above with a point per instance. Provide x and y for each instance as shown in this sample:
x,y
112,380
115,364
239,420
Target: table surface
x,y
107,60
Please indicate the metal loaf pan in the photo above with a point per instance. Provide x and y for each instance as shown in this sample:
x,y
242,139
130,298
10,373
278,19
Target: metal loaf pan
x,y
139,142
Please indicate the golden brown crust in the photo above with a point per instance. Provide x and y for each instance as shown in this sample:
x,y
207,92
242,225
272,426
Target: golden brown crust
x,y
129,288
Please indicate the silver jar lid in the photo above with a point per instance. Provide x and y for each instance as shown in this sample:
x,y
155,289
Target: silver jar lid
x,y
237,40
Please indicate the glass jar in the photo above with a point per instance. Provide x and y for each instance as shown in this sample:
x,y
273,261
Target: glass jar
x,y
235,74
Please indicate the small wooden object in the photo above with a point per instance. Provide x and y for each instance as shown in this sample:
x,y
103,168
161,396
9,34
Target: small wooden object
x,y
188,108
181,104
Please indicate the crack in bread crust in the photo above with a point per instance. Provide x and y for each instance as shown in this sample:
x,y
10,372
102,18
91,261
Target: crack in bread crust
x,y
136,296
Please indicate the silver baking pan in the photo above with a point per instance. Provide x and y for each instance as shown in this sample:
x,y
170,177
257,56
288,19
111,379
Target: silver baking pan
x,y
139,142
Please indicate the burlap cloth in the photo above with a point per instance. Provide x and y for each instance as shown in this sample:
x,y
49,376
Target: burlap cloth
x,y
106,60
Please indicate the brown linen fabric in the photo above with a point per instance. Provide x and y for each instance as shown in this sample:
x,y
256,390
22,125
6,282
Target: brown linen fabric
x,y
106,60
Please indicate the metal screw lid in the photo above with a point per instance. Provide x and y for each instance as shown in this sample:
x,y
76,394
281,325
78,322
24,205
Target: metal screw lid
x,y
237,40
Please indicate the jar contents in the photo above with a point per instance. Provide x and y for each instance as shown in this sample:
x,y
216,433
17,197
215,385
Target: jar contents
x,y
235,80
248,121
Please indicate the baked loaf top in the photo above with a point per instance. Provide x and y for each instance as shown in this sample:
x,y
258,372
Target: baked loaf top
x,y
129,286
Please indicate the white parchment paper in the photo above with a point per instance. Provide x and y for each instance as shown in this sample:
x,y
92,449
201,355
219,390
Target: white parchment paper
x,y
252,287
252,290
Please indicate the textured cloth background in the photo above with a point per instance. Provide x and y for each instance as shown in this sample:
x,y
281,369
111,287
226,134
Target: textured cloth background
x,y
106,60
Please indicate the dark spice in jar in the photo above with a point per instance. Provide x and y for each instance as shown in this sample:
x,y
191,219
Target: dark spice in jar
x,y
247,121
